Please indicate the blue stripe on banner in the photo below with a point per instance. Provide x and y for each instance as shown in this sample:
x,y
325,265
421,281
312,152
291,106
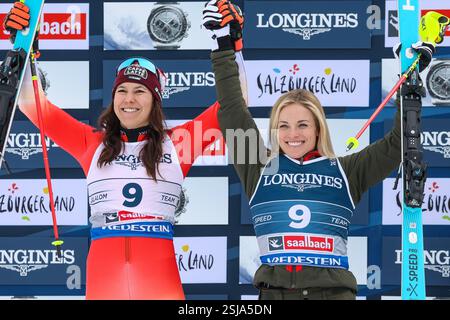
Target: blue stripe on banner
x,y
145,229
308,259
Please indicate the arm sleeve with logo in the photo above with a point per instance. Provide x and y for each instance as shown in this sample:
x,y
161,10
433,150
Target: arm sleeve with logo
x,y
374,163
244,139
75,137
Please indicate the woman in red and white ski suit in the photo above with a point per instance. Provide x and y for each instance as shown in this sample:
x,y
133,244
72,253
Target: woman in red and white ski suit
x,y
134,169
132,212
132,207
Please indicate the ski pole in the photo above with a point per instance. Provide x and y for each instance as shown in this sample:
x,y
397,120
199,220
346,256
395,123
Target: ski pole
x,y
57,242
353,141
432,29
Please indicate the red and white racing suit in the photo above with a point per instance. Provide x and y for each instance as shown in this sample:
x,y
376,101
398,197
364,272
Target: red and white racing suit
x,y
131,254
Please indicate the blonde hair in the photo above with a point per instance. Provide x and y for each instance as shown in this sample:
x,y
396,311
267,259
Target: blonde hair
x,y
309,101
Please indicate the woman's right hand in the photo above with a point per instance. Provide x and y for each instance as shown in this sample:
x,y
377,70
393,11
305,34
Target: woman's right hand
x,y
18,18
221,16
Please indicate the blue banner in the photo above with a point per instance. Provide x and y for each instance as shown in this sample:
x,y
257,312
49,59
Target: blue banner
x,y
304,25
435,139
189,83
24,149
34,261
437,261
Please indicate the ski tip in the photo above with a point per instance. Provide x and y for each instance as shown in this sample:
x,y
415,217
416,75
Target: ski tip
x,y
352,143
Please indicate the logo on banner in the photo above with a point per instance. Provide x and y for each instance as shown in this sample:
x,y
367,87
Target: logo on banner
x,y
115,217
436,141
393,23
305,242
34,203
279,82
57,26
188,260
63,26
434,201
301,181
393,20
26,145
275,243
307,25
26,261
434,260
177,82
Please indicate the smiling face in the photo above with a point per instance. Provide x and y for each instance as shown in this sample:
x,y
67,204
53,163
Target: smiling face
x,y
133,103
297,131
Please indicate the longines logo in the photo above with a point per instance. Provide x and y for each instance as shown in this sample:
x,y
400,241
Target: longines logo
x,y
436,141
26,261
27,144
132,161
302,181
434,260
307,25
128,160
181,81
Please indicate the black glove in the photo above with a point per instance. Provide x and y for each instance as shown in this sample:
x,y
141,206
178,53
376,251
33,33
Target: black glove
x,y
18,18
220,14
425,49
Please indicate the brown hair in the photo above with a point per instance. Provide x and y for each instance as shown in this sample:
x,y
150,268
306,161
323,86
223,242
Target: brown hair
x,y
309,101
152,151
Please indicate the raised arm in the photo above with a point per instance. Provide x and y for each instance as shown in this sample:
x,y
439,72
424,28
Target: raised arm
x,y
245,145
374,163
75,137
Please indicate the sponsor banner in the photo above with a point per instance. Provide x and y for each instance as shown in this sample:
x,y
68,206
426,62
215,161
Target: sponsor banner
x,y
435,139
68,89
155,26
56,83
336,83
215,155
201,259
435,79
189,83
34,261
302,242
435,207
25,202
306,24
249,260
63,27
24,149
391,19
436,256
357,258
199,196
